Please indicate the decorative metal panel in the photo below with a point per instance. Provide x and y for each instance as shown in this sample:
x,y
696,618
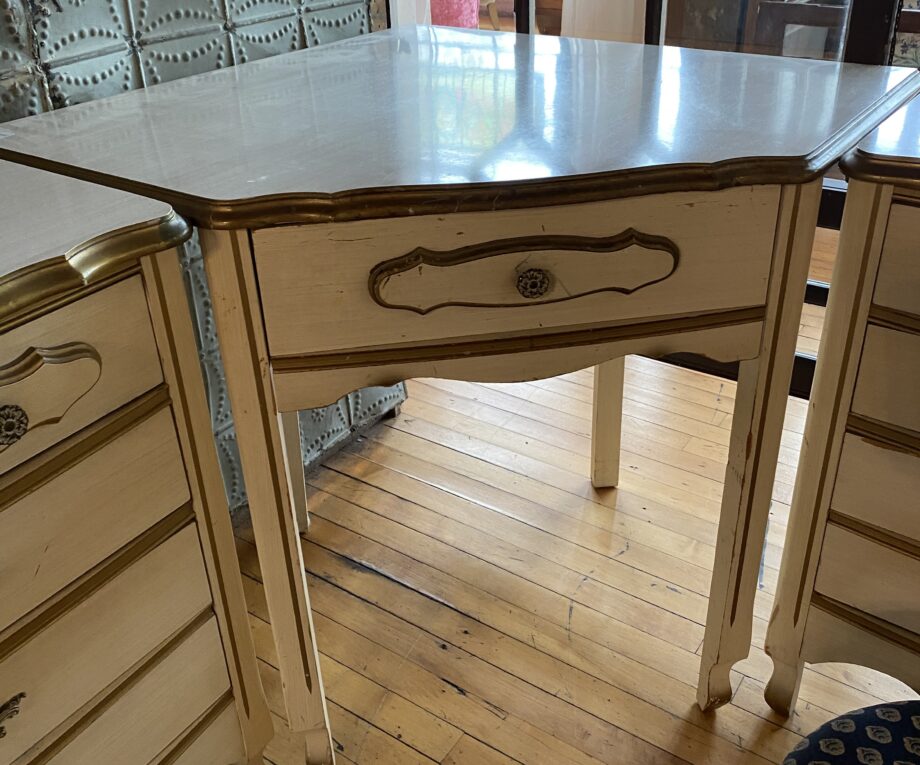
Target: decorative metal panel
x,y
59,52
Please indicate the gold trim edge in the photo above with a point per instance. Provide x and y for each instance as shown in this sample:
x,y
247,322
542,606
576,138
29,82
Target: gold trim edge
x,y
87,263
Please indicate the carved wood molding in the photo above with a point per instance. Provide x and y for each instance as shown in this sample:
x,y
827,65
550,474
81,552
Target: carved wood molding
x,y
381,274
17,420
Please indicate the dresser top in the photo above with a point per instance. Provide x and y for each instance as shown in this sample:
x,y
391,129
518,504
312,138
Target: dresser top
x,y
60,234
425,119
892,152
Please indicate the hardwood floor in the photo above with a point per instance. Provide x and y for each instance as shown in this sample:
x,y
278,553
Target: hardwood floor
x,y
478,602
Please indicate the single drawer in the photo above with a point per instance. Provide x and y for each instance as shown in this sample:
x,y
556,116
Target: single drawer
x,y
155,709
898,283
65,526
374,283
101,640
871,576
66,369
879,485
220,743
889,378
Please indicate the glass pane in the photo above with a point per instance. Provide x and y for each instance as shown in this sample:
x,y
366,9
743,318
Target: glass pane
x,y
803,28
907,41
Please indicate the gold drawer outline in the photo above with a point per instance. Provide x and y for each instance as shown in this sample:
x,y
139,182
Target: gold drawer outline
x,y
383,271
27,364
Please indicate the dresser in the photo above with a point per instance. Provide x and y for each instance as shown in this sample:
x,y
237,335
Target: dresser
x,y
565,231
123,632
849,586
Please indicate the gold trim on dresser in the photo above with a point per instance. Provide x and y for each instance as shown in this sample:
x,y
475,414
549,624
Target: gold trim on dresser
x,y
539,281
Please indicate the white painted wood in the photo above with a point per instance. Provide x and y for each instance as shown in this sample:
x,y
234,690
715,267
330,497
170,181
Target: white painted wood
x,y
622,21
828,638
78,393
760,405
156,709
314,279
857,261
303,389
228,262
879,485
606,422
290,432
169,310
409,12
64,666
885,584
886,387
218,744
66,526
898,283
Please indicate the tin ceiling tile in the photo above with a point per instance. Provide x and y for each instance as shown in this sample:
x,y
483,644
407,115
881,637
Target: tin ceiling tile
x,y
91,78
15,51
156,20
336,23
247,11
22,94
168,60
267,38
74,29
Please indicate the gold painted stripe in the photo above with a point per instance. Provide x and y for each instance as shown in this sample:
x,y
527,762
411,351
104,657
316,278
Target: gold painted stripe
x,y
46,465
198,727
885,630
569,338
883,434
849,349
891,318
58,739
194,458
40,618
877,534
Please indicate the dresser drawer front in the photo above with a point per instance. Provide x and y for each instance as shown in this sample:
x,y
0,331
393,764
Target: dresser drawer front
x,y
898,283
157,709
879,485
889,378
74,658
381,282
220,743
870,576
66,369
64,527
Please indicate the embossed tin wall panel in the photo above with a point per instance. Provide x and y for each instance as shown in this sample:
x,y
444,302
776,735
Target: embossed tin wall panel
x,y
336,23
96,48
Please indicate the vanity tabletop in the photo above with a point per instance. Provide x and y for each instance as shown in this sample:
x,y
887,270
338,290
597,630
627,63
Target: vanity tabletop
x,y
61,234
425,119
891,152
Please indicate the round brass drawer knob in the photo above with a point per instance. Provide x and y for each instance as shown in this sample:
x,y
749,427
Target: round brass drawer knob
x,y
533,283
14,422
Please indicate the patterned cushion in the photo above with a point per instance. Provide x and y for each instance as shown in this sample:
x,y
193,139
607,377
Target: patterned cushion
x,y
887,734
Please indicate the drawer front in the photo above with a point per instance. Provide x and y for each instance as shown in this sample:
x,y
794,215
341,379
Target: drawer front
x,y
157,709
898,283
884,583
62,668
220,743
381,282
66,526
889,378
66,369
879,485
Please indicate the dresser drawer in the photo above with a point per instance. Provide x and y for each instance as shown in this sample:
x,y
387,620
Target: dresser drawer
x,y
889,378
220,743
420,279
66,369
879,485
156,708
870,576
85,650
65,526
898,283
